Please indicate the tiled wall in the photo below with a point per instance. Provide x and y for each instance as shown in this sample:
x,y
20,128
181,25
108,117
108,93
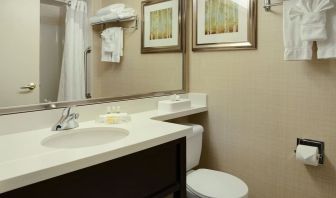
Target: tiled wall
x,y
258,106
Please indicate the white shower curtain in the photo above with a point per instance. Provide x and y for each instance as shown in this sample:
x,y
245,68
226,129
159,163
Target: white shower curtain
x,y
72,81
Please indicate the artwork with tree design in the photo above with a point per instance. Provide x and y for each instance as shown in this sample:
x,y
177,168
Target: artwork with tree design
x,y
221,16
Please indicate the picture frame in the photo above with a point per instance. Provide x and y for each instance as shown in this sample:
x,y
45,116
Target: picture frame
x,y
161,29
224,25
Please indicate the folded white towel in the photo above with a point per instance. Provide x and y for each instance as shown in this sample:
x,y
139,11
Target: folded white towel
x,y
112,44
295,47
327,48
126,13
95,19
114,8
113,12
312,14
110,16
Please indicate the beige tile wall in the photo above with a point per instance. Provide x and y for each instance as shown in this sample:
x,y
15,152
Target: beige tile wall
x,y
137,73
258,106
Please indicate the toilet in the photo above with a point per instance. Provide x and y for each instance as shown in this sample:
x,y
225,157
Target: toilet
x,y
205,183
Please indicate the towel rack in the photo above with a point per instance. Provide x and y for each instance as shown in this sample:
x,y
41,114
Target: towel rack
x,y
134,27
268,4
65,2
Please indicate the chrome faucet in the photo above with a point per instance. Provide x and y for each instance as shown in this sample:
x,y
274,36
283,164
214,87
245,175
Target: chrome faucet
x,y
67,121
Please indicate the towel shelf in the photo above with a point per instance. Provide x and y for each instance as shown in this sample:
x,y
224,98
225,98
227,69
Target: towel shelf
x,y
134,18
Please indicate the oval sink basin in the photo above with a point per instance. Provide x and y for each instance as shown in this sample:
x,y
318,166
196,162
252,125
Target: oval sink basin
x,y
87,137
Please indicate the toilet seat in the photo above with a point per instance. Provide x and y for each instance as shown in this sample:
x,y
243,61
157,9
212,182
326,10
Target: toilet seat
x,y
214,184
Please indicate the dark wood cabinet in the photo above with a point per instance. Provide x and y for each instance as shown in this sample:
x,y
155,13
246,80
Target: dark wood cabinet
x,y
155,172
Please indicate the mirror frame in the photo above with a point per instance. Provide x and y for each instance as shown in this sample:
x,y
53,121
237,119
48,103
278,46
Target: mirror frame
x,y
58,105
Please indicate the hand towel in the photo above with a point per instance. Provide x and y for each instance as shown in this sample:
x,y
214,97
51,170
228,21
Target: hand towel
x,y
112,44
312,14
327,48
119,50
114,8
295,47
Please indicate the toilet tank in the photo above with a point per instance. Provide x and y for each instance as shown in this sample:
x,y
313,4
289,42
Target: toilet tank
x,y
194,146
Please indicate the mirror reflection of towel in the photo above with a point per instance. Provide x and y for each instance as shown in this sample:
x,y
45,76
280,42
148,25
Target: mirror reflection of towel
x,y
114,8
112,44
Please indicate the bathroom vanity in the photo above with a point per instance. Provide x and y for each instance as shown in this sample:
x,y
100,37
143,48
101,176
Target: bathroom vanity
x,y
148,161
142,158
154,172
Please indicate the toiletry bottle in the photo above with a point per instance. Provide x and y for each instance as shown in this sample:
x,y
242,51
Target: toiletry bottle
x,y
103,117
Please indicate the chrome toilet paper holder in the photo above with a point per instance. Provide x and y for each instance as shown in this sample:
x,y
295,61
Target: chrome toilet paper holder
x,y
315,143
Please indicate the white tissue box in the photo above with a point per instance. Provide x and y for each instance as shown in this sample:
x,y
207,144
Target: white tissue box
x,y
172,106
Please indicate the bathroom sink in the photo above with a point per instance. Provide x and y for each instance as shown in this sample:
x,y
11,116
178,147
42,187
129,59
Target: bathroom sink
x,y
87,137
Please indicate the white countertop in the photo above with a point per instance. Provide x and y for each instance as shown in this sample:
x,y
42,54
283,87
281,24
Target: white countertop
x,y
25,161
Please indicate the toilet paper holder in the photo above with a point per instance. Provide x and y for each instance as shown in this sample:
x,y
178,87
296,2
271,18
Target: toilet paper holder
x,y
315,143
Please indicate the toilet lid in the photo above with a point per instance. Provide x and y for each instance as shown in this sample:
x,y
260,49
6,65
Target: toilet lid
x,y
215,184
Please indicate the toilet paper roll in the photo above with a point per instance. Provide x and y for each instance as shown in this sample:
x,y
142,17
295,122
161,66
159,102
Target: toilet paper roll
x,y
308,155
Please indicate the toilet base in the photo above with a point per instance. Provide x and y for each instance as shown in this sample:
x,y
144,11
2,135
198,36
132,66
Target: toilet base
x,y
191,195
205,183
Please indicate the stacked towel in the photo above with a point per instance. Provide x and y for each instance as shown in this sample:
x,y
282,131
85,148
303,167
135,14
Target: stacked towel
x,y
113,12
126,13
95,19
114,8
312,14
112,44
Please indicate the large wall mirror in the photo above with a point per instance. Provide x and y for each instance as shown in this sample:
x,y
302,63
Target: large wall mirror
x,y
53,52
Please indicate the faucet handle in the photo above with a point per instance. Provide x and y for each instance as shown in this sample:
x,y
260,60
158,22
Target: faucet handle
x,y
67,121
75,116
67,111
71,122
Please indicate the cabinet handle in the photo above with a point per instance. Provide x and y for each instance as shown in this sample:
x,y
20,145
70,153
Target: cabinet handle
x,y
29,87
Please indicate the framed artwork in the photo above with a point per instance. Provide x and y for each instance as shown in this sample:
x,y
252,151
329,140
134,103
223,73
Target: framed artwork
x,y
161,26
224,25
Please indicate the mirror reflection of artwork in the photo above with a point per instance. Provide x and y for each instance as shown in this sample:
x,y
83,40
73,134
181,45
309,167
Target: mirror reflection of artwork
x,y
221,16
162,27
224,24
161,24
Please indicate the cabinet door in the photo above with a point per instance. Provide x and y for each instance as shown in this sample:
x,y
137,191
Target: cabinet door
x,y
153,173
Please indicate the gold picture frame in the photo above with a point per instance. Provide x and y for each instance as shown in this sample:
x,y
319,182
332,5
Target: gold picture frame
x,y
224,25
161,29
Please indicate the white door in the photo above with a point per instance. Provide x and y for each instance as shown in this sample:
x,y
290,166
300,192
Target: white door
x,y
19,51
